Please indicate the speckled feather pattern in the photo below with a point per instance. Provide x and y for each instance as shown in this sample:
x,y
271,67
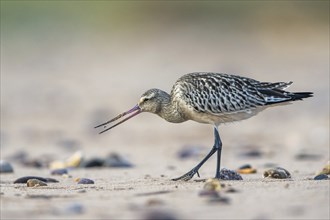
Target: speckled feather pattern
x,y
222,93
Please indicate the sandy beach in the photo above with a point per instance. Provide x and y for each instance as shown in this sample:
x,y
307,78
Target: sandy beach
x,y
67,67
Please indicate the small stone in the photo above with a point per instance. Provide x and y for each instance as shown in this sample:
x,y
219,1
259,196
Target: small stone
x,y
57,165
154,202
159,215
190,152
209,193
212,185
326,169
75,159
35,183
5,167
308,156
51,180
226,174
246,169
95,162
26,178
32,163
277,173
245,166
115,160
59,171
66,176
85,181
75,208
219,199
321,177
251,152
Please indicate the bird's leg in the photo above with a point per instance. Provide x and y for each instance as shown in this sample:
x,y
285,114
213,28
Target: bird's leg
x,y
218,144
216,147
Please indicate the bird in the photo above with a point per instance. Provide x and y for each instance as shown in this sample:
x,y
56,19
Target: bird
x,y
210,98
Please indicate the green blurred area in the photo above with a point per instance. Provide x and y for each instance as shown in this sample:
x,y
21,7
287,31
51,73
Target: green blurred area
x,y
110,16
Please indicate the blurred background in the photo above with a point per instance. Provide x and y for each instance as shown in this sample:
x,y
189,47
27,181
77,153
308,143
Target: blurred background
x,y
67,66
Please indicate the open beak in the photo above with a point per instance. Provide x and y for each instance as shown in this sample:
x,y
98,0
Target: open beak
x,y
135,111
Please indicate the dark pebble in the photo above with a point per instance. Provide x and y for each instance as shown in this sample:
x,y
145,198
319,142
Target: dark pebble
x,y
159,215
321,177
26,178
51,180
226,174
59,171
209,193
69,144
115,160
252,153
190,152
5,167
95,162
85,181
220,199
32,163
308,156
246,166
74,208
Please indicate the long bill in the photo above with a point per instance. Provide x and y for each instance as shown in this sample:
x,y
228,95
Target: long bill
x,y
135,111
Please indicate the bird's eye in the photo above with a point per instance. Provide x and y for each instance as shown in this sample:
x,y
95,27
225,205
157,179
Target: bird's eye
x,y
145,99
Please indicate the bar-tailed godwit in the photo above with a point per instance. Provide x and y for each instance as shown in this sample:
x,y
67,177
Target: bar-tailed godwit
x,y
211,98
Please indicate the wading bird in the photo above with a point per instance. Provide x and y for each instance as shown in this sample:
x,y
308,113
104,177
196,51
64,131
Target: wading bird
x,y
211,98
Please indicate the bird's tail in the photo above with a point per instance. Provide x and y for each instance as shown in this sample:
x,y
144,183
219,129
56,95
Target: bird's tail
x,y
300,95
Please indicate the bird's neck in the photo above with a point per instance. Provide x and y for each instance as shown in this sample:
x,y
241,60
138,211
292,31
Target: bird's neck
x,y
169,110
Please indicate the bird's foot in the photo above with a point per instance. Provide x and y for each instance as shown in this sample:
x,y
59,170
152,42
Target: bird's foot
x,y
188,175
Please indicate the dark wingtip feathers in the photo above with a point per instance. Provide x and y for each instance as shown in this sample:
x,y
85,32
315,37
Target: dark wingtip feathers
x,y
301,95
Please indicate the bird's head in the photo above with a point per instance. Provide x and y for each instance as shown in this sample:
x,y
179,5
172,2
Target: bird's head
x,y
150,101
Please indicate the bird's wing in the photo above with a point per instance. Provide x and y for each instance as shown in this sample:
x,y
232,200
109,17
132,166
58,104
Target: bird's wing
x,y
217,93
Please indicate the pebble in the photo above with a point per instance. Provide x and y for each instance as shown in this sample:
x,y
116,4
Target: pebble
x,y
35,183
190,152
26,178
277,173
116,160
212,184
84,181
95,162
308,156
326,169
159,215
246,169
219,199
226,174
251,152
59,171
73,161
321,177
154,202
5,167
51,180
74,208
